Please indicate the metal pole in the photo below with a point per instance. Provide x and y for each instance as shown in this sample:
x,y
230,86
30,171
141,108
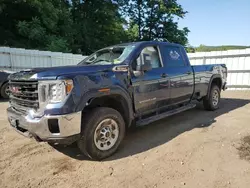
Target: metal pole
x,y
11,62
204,60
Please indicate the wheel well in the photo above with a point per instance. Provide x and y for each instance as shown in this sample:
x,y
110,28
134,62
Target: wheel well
x,y
217,81
3,83
116,102
1,86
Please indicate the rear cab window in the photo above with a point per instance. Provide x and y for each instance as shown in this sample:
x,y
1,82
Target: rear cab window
x,y
172,56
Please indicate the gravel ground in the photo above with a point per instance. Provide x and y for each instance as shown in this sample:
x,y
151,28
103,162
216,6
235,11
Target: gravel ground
x,y
192,149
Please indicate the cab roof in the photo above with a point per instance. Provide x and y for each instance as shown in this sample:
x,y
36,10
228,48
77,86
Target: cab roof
x,y
145,43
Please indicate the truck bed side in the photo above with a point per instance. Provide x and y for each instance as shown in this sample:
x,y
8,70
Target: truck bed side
x,y
205,74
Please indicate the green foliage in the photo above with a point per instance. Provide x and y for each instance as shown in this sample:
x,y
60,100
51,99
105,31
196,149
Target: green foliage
x,y
98,25
58,45
203,48
155,19
190,49
36,24
33,30
83,26
132,32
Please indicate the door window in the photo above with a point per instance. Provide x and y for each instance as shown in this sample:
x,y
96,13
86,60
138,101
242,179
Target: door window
x,y
173,56
149,54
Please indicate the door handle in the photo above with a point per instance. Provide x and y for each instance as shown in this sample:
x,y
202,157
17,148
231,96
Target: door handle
x,y
189,72
164,75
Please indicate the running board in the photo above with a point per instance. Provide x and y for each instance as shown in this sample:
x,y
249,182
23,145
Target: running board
x,y
151,119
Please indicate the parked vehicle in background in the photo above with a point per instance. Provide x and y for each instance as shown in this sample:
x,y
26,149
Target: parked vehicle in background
x,y
4,83
95,102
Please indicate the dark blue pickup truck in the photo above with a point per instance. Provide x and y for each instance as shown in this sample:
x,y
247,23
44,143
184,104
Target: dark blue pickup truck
x,y
94,102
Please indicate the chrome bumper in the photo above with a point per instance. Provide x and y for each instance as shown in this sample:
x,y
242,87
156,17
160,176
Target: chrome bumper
x,y
42,129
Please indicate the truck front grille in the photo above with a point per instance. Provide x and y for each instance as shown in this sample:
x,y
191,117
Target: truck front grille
x,y
24,95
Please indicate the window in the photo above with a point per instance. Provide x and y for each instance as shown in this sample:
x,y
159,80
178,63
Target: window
x,y
173,56
149,54
113,55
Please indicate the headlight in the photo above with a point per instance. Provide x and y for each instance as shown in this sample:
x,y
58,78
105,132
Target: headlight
x,y
54,91
57,92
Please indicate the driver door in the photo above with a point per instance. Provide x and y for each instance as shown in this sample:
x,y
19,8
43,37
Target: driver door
x,y
151,87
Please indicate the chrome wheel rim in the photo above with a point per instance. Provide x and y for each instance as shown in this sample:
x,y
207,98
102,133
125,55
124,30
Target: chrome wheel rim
x,y
106,134
215,98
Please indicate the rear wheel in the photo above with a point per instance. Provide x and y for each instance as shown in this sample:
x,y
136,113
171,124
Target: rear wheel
x,y
102,132
212,102
5,90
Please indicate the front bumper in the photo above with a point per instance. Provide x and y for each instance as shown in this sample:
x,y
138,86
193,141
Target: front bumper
x,y
47,128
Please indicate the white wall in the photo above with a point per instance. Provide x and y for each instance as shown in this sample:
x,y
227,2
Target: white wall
x,y
237,62
18,59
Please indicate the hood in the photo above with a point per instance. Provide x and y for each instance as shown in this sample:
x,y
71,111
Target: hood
x,y
53,72
7,71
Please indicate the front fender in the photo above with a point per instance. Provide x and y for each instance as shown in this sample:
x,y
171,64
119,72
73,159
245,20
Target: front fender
x,y
88,96
87,87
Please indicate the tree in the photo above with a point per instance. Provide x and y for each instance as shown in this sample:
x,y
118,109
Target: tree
x,y
204,48
134,11
190,49
83,26
155,19
36,24
98,24
11,12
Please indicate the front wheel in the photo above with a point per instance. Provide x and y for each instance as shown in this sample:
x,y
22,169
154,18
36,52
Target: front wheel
x,y
102,132
212,102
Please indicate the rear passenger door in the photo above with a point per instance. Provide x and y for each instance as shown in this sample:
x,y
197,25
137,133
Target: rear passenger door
x,y
179,72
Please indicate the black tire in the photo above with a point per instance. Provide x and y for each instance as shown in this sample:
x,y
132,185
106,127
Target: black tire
x,y
208,102
87,144
4,90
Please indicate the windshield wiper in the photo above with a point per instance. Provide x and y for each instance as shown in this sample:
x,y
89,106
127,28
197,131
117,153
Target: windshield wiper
x,y
88,63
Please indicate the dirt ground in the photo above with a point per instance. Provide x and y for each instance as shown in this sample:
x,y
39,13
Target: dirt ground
x,y
192,149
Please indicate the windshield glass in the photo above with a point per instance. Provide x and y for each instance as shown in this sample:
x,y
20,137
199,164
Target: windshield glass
x,y
112,55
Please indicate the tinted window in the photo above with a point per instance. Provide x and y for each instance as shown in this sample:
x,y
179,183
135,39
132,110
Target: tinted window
x,y
173,56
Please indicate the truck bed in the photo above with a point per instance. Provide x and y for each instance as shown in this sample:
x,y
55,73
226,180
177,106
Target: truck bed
x,y
203,75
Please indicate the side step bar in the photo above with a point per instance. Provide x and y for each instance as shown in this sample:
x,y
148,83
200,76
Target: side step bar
x,y
151,119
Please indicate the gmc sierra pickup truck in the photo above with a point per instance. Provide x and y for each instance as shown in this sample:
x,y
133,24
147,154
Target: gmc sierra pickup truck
x,y
93,103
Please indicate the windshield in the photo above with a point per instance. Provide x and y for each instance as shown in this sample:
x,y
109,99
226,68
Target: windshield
x,y
112,55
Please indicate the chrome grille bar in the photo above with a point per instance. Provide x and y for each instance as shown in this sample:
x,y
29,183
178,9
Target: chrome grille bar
x,y
24,95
